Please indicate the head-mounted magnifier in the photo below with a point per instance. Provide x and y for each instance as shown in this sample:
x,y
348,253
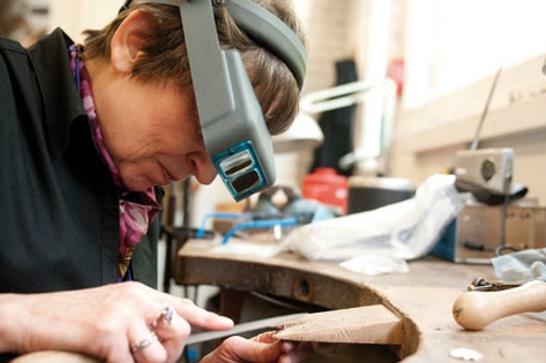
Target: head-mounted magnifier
x,y
232,121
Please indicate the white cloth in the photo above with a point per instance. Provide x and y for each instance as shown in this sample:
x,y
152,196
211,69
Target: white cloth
x,y
521,266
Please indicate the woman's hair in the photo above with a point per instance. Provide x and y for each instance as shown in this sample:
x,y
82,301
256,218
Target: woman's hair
x,y
164,56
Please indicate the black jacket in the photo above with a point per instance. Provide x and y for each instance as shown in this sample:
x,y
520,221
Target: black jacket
x,y
59,214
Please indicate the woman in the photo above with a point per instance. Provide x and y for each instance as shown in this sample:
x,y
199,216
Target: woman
x,y
86,135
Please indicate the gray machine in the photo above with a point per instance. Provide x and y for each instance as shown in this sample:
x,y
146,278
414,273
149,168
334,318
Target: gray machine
x,y
475,235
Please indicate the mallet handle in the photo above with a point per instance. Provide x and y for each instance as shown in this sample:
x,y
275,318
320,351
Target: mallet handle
x,y
476,309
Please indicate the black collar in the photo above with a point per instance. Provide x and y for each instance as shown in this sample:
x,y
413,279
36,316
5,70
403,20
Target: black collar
x,y
62,101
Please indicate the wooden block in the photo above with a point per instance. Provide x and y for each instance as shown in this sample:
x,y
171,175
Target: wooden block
x,y
374,324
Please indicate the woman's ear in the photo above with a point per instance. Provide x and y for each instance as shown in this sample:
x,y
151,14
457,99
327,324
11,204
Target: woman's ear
x,y
128,40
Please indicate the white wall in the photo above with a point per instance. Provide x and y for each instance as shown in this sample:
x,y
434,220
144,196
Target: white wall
x,y
74,16
452,43
335,30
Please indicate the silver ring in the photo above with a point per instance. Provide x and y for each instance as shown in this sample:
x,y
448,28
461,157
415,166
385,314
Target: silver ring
x,y
151,338
167,314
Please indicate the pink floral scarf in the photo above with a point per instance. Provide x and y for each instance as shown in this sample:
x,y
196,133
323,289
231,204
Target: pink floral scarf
x,y
136,209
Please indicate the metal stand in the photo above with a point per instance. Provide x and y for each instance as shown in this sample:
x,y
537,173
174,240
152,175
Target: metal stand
x,y
173,233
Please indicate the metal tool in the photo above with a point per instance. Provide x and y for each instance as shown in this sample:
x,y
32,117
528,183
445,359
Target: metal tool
x,y
242,328
475,235
485,285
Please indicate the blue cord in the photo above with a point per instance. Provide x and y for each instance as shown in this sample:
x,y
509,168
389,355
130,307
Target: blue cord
x,y
201,231
260,224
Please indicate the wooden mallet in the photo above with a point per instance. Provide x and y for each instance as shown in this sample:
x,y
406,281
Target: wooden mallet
x,y
476,309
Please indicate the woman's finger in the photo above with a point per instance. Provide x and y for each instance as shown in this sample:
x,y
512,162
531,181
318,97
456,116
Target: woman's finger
x,y
252,351
266,337
120,351
145,345
193,314
172,331
197,316
288,347
294,352
291,352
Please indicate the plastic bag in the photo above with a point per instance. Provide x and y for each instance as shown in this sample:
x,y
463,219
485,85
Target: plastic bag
x,y
404,230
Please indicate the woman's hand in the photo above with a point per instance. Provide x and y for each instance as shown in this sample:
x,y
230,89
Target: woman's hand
x,y
120,323
260,349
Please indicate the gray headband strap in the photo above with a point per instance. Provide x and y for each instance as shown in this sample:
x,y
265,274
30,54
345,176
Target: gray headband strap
x,y
268,30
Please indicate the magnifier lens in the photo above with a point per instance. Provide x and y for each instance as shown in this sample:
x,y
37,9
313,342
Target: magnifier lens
x,y
234,164
246,181
240,170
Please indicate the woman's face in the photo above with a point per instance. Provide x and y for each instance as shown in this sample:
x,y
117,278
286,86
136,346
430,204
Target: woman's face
x,y
153,134
150,128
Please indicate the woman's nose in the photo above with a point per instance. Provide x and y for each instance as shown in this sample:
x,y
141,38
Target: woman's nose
x,y
204,170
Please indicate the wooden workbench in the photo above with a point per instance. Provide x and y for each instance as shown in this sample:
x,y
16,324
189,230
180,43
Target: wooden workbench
x,y
423,298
